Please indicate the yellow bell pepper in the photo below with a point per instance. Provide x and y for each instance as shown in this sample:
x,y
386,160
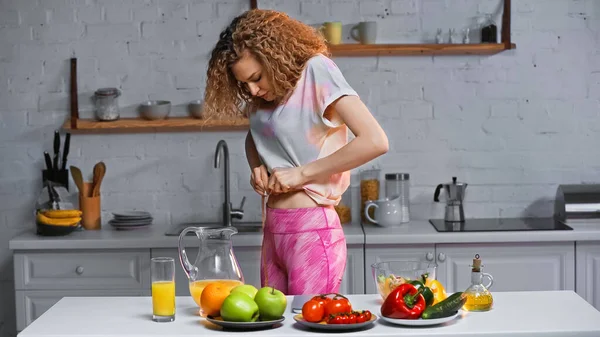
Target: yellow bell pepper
x,y
439,293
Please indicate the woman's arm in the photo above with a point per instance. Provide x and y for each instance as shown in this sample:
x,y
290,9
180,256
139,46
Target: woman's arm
x,y
370,142
259,178
251,152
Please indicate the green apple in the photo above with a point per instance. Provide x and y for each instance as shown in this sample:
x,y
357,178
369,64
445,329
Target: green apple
x,y
247,289
239,307
271,303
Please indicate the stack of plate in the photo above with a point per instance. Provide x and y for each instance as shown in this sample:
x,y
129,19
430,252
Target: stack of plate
x,y
131,220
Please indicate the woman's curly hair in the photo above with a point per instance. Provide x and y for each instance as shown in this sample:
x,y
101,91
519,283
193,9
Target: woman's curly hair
x,y
281,44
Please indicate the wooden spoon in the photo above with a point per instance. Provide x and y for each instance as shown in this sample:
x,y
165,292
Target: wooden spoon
x,y
99,171
77,177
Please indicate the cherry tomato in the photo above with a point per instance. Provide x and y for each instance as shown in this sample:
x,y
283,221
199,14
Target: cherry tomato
x,y
360,317
351,318
335,319
367,315
313,311
338,305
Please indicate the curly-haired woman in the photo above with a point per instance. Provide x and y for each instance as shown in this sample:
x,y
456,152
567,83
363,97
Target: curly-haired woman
x,y
276,70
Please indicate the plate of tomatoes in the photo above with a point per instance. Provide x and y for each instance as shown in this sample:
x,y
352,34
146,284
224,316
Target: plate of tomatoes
x,y
333,312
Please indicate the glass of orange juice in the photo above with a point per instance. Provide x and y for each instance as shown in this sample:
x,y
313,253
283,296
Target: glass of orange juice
x,y
163,289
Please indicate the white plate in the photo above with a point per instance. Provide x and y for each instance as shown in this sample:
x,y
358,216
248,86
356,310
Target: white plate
x,y
126,228
132,214
323,326
420,321
129,223
246,325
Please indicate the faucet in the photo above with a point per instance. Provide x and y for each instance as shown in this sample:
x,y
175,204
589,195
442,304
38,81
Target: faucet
x,y
228,211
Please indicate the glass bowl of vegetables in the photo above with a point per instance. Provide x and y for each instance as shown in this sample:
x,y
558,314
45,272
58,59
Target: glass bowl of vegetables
x,y
390,274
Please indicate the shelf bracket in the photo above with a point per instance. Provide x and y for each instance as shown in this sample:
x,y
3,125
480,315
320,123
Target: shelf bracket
x,y
506,25
74,103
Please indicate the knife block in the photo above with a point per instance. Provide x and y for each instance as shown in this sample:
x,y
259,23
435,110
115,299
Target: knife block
x,y
60,177
90,207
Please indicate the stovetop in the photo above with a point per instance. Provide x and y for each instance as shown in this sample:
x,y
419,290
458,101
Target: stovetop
x,y
499,225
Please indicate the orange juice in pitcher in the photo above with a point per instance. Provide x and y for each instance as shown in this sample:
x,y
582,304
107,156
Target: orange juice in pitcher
x,y
196,287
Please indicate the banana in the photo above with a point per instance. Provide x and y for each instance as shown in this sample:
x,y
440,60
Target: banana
x,y
57,221
62,213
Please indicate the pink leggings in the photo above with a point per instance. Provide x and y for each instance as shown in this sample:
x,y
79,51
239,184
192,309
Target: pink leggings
x,y
304,250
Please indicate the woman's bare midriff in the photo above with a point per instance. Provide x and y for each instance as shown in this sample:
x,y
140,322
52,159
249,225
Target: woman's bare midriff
x,y
296,199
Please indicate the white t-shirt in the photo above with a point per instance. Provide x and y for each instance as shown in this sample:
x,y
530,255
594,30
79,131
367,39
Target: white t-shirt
x,y
296,133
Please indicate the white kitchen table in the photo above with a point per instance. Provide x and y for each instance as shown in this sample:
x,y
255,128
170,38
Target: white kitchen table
x,y
517,314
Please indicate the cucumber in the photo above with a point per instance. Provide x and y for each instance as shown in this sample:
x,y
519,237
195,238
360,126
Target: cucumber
x,y
445,308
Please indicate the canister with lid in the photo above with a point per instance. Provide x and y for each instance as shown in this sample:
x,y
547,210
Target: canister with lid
x,y
106,101
398,185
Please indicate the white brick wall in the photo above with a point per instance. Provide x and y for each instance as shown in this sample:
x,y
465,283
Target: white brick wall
x,y
512,125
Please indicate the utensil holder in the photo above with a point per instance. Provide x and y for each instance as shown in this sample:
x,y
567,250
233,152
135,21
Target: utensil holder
x,y
60,177
90,208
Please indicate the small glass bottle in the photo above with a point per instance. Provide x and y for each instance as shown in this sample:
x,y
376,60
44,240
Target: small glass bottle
x,y
478,295
489,30
439,37
398,185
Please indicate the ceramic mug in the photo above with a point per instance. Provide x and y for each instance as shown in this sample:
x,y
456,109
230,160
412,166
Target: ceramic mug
x,y
387,211
332,31
365,32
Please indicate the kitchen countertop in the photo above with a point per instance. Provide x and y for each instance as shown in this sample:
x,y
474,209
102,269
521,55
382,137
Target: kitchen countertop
x,y
153,237
515,314
422,232
414,232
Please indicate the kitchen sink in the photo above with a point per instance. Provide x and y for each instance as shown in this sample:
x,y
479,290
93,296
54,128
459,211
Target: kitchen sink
x,y
242,227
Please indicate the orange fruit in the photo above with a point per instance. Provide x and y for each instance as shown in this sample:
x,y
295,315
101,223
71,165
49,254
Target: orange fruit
x,y
212,298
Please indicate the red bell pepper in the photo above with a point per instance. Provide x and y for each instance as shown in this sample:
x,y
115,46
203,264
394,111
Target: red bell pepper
x,y
404,302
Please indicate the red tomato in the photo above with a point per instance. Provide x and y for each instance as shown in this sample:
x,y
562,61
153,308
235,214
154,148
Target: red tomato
x,y
338,305
313,311
367,315
351,318
335,319
322,299
360,317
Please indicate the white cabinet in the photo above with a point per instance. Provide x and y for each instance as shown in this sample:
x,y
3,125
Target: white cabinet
x,y
588,272
31,304
353,281
379,253
42,278
520,266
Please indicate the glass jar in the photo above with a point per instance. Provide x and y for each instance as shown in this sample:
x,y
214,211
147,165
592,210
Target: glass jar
x,y
106,102
369,190
344,208
489,30
398,185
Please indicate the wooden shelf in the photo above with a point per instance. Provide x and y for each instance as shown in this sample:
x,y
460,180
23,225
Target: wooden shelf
x,y
418,49
139,125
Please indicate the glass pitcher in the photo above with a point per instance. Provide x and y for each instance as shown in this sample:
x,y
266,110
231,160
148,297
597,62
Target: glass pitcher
x,y
215,261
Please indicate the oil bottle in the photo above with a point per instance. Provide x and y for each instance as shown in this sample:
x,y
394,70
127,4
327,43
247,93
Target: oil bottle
x,y
478,295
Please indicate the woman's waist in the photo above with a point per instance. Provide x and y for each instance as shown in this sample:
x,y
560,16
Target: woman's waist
x,y
301,219
291,200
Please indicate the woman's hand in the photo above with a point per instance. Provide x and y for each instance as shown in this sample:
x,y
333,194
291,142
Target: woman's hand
x,y
284,180
259,179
